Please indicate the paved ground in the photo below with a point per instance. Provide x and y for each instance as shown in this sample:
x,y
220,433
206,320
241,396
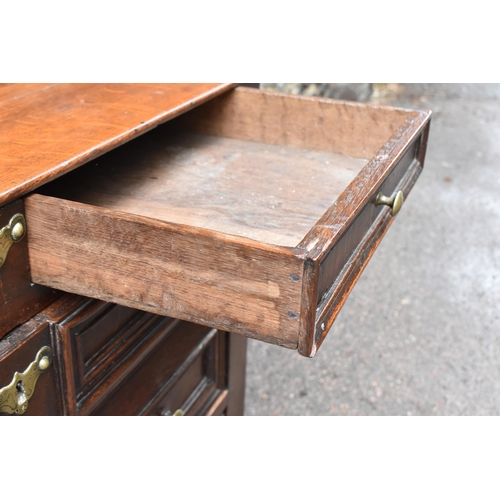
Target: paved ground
x,y
420,333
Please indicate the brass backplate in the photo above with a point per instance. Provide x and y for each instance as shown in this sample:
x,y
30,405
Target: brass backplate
x,y
13,232
14,397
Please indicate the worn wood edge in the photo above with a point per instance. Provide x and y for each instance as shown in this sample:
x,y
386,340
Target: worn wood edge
x,y
236,359
334,223
94,152
356,130
306,345
64,349
335,298
219,405
423,144
244,244
20,335
176,228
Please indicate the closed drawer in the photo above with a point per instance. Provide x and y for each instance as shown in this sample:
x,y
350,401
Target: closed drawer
x,y
20,299
254,213
102,344
28,364
199,386
183,363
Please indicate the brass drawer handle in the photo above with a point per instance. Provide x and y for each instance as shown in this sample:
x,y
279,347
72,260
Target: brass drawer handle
x,y
395,201
15,396
12,233
177,413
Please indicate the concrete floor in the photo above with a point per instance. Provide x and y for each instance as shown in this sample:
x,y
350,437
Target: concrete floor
x,y
420,332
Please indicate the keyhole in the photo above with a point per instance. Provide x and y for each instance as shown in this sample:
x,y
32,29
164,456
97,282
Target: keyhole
x,y
21,394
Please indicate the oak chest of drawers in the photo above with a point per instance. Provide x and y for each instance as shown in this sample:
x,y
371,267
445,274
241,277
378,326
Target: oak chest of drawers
x,y
237,210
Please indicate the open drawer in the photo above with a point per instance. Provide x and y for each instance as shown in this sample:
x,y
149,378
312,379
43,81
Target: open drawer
x,y
254,213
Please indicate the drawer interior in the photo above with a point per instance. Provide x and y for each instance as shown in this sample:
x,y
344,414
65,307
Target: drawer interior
x,y
219,167
225,215
269,193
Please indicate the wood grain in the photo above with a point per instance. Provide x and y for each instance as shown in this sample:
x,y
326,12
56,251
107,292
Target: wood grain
x,y
272,194
348,128
9,91
222,281
48,130
168,223
320,239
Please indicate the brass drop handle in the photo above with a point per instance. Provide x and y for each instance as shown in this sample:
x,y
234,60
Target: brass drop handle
x,y
13,232
395,201
14,397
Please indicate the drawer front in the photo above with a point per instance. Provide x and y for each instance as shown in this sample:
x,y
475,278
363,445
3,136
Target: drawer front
x,y
20,299
38,392
342,265
199,385
182,362
253,214
102,344
405,171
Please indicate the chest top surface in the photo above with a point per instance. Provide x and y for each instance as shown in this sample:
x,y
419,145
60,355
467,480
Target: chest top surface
x,y
47,130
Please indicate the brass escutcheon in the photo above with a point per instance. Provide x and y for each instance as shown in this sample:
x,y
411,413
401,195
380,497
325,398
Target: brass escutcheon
x,y
12,233
14,397
395,201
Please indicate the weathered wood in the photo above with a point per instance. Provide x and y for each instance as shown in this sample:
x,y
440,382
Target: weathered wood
x,y
272,194
222,281
320,124
48,130
363,189
244,233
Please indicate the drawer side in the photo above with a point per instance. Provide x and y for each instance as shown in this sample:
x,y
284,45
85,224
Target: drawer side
x,y
197,275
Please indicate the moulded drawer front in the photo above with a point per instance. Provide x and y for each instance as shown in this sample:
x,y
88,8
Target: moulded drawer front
x,y
254,213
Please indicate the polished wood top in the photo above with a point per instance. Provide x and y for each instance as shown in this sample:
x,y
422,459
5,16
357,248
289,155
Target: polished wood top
x,y
47,130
